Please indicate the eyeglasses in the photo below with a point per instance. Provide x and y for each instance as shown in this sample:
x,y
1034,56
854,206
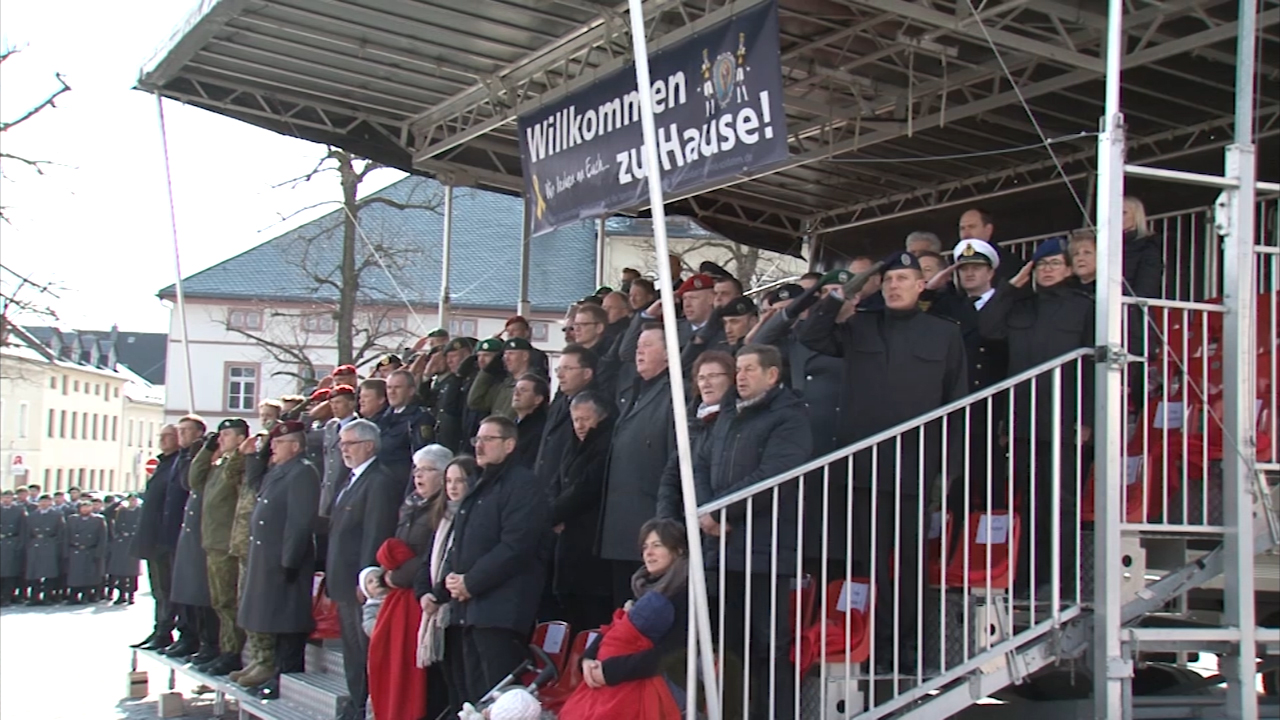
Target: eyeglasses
x,y
425,470
477,440
706,377
1053,263
567,368
349,443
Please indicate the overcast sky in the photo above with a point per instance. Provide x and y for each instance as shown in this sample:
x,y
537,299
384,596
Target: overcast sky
x,y
96,224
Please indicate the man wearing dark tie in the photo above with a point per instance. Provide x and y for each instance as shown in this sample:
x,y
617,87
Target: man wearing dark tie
x,y
364,515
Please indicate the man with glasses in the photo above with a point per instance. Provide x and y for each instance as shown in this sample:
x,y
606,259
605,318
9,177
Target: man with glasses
x,y
1041,323
575,373
494,574
364,515
276,597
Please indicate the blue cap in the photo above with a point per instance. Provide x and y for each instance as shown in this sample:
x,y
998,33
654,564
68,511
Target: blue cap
x,y
1049,248
900,261
653,615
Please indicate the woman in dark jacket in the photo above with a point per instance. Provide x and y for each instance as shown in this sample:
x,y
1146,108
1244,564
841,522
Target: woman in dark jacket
x,y
711,378
415,527
580,580
1143,253
665,551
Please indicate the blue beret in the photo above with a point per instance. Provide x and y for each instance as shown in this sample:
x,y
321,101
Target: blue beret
x,y
1049,248
900,261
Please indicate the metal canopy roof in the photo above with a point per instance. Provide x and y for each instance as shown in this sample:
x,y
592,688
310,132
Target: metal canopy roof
x,y
893,106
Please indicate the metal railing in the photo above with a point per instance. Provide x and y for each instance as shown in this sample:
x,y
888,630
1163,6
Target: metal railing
x,y
861,581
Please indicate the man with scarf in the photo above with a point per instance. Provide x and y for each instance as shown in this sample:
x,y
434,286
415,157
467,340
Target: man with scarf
x,y
494,572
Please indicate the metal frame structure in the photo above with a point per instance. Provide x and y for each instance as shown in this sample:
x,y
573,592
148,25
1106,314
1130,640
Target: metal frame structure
x,y
894,107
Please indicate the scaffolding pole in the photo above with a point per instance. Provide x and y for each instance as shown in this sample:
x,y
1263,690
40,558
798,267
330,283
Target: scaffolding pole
x,y
446,244
700,612
1237,372
1112,670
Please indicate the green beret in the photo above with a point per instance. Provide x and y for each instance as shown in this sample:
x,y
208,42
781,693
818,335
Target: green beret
x,y
438,332
835,277
517,344
234,424
459,344
489,345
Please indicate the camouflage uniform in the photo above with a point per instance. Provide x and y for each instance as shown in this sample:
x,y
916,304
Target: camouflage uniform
x,y
219,482
262,646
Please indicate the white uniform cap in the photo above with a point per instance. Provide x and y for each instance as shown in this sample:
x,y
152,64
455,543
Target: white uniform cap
x,y
973,250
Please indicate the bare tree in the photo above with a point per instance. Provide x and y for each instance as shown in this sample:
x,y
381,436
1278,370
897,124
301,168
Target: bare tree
x,y
362,317
23,300
752,266
7,125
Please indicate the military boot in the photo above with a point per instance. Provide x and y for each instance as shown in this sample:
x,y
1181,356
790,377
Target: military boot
x,y
256,675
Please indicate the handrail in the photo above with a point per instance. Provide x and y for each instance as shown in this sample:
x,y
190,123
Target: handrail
x,y
865,443
1173,304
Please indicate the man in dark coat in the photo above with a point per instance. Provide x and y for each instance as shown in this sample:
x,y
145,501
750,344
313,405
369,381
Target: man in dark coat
x,y
85,554
12,521
575,373
1039,325
446,398
529,400
152,545
494,572
342,401
364,515
907,363
405,427
643,439
762,431
122,565
45,531
580,579
190,564
277,591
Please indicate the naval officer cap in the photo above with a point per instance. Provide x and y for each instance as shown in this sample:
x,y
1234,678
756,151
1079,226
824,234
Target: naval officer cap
x,y
972,250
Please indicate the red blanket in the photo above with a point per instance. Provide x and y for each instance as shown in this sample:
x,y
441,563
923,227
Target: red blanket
x,y
397,686
648,699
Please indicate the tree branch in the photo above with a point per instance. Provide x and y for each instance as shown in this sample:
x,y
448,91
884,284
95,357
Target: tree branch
x,y
48,102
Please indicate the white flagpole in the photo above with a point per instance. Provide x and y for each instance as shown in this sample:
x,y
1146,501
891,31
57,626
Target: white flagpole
x,y
697,571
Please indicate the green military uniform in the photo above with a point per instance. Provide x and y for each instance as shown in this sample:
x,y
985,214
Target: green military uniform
x,y
219,482
493,387
262,646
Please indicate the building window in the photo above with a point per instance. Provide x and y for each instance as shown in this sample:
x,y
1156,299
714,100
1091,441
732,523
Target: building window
x,y
75,417
391,323
97,389
46,478
80,481
245,320
59,481
52,420
151,435
93,478
24,412
115,428
53,382
111,479
462,327
322,323
62,424
311,374
95,426
130,436
115,393
76,386
242,387
84,426
540,331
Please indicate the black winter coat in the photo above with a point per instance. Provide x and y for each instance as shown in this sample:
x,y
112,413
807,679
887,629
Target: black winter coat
x,y
1143,265
529,437
744,447
988,359
364,516
818,379
558,432
643,439
1041,325
276,597
175,500
670,490
418,532
576,493
147,542
497,534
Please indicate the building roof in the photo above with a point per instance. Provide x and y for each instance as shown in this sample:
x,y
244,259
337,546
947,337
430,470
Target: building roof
x,y
92,352
142,353
484,265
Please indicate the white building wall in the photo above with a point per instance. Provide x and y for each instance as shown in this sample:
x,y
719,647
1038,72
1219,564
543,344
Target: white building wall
x,y
623,251
68,424
216,352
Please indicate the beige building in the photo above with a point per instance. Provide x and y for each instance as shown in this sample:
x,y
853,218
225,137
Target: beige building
x,y
74,416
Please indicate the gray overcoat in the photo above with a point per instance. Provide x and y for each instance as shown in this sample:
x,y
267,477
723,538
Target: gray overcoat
x,y
86,550
121,561
44,544
13,520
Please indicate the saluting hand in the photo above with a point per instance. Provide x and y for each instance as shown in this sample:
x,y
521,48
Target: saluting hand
x,y
1024,275
249,445
939,281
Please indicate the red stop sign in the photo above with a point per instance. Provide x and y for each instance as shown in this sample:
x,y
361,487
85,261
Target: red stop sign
x,y
151,466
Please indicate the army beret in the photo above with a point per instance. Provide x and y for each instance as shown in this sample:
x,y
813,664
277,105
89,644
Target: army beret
x,y
340,390
739,307
900,261
602,291
6,493
1049,248
697,282
835,277
320,395
458,344
438,332
490,345
390,359
288,427
592,300
790,291
517,344
344,370
971,251
519,319
234,424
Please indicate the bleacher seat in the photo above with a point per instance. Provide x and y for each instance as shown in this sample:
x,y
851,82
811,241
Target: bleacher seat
x,y
992,542
553,638
554,695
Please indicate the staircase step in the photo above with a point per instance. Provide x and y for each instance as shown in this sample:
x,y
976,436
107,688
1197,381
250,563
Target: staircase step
x,y
318,693
324,660
279,710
